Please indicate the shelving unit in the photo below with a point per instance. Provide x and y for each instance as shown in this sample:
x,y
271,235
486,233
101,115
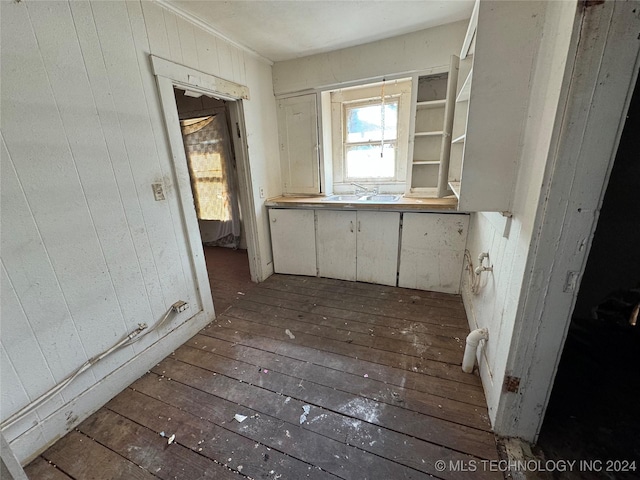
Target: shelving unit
x,y
430,142
459,129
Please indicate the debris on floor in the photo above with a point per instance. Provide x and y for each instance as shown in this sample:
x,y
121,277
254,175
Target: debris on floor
x,y
303,417
171,439
289,334
239,418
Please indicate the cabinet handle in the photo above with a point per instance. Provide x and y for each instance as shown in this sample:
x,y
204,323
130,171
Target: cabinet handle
x,y
351,228
358,225
273,220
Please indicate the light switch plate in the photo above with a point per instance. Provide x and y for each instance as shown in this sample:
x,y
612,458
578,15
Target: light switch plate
x,y
158,191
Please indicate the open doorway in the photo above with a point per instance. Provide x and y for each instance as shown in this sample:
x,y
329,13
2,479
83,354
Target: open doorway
x,y
593,412
205,124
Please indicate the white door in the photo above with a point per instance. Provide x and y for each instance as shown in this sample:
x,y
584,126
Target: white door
x,y
298,137
432,251
336,240
293,241
377,247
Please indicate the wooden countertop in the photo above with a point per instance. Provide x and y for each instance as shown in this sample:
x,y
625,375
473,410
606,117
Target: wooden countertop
x,y
403,204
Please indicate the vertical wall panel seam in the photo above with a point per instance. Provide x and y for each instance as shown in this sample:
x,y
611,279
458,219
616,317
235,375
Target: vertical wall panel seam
x,y
75,167
108,80
164,15
44,247
24,390
31,329
162,138
115,177
138,194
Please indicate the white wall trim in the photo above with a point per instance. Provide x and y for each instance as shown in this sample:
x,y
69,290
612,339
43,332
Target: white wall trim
x,y
198,81
173,8
169,74
37,439
605,68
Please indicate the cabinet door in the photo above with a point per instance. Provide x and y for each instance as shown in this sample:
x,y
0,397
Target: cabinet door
x,y
298,137
293,241
432,251
336,240
377,247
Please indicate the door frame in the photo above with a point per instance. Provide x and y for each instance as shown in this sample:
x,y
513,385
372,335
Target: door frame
x,y
604,71
169,75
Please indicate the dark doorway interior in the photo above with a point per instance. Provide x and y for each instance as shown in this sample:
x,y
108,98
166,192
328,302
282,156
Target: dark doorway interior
x,y
206,132
594,411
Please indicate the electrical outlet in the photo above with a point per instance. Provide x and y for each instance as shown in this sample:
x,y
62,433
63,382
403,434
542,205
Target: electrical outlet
x,y
158,191
261,192
180,306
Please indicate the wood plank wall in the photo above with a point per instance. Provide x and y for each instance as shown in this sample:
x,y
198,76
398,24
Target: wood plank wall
x,y
87,253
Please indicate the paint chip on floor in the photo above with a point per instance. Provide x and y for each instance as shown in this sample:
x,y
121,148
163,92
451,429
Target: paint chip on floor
x,y
289,334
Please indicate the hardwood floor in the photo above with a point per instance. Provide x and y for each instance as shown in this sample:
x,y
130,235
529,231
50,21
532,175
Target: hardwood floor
x,y
377,368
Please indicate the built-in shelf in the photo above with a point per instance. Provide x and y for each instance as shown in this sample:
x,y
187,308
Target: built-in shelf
x,y
422,192
455,188
459,139
426,162
432,104
463,96
429,134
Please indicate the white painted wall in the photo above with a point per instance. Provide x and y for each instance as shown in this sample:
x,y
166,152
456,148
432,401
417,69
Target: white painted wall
x,y
405,54
87,253
508,240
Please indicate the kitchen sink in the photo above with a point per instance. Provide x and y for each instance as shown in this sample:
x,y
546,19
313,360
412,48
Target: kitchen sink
x,y
364,198
383,198
345,198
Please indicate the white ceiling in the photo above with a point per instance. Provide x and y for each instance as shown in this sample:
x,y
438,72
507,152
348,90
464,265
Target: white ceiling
x,y
281,30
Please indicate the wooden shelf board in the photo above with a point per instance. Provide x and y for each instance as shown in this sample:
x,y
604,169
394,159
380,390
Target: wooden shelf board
x,y
455,188
431,104
426,162
463,96
423,192
429,134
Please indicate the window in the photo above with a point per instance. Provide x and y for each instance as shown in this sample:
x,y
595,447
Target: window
x,y
369,135
370,139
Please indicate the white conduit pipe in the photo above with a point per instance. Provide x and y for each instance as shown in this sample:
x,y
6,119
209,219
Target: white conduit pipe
x,y
470,351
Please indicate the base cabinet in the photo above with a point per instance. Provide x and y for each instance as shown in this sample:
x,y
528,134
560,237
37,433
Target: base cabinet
x,y
432,251
336,240
361,246
377,236
425,252
293,241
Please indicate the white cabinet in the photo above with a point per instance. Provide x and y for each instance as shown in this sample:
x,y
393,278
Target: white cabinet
x,y
293,241
360,246
432,251
336,240
377,235
298,138
491,112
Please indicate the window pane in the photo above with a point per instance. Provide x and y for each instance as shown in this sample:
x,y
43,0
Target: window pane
x,y
364,161
364,124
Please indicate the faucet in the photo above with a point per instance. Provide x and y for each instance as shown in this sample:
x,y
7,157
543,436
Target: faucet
x,y
363,189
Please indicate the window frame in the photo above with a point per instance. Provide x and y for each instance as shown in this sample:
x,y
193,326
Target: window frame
x,y
346,106
394,90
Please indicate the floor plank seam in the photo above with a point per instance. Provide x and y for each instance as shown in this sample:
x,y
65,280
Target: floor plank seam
x,y
420,316
336,370
437,363
325,436
242,305
254,366
330,410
